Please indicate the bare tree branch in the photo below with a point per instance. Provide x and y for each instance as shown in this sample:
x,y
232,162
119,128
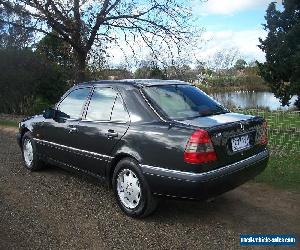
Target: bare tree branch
x,y
99,20
82,23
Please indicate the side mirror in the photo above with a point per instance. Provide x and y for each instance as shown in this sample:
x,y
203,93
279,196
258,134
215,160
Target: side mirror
x,y
49,113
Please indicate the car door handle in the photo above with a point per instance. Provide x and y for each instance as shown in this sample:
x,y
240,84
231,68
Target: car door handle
x,y
111,134
72,129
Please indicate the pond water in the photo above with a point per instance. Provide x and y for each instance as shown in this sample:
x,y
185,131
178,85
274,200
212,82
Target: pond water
x,y
251,99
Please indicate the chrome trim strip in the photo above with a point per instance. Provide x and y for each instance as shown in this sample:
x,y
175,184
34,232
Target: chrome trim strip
x,y
260,156
77,169
71,148
99,121
144,97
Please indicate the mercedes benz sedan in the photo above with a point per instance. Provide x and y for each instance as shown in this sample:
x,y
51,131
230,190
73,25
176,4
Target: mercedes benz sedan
x,y
147,139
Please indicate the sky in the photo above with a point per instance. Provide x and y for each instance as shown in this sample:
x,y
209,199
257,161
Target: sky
x,y
232,24
229,25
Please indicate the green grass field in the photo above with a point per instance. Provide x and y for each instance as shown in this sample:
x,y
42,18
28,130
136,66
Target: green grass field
x,y
283,170
8,123
276,119
283,129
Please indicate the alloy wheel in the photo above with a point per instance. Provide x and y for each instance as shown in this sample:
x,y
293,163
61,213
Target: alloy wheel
x,y
128,188
28,152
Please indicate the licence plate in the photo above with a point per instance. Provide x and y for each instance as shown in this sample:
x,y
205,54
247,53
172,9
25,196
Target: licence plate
x,y
240,143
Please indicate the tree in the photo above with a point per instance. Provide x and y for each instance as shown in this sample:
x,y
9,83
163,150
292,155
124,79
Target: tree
x,y
240,64
149,69
28,82
223,60
57,51
14,36
282,47
181,72
84,24
112,73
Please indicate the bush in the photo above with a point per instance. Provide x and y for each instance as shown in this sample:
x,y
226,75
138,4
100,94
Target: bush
x,y
247,82
39,104
28,82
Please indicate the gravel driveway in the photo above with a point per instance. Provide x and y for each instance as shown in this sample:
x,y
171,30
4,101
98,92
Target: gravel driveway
x,y
54,209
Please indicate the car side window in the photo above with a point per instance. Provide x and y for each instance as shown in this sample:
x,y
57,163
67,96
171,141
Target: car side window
x,y
101,104
119,112
72,105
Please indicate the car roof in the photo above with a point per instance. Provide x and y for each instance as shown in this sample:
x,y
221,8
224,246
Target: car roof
x,y
135,82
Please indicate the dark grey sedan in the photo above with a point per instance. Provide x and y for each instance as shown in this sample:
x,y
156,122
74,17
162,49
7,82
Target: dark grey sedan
x,y
147,139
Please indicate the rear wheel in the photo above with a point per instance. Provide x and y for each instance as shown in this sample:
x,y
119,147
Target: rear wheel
x,y
31,160
131,189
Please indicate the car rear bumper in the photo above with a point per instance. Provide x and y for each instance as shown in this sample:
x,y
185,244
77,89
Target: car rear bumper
x,y
189,185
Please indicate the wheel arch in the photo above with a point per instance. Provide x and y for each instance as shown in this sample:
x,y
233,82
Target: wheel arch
x,y
23,130
116,159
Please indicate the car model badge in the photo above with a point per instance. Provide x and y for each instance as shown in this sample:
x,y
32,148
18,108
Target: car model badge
x,y
218,135
242,126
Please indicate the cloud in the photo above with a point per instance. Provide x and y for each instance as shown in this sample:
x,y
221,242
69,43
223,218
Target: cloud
x,y
228,7
245,41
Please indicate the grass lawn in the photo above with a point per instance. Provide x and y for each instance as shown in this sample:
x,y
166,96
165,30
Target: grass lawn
x,y
277,119
283,129
8,123
282,172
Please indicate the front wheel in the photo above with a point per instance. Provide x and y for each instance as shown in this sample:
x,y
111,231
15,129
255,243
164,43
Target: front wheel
x,y
31,160
131,189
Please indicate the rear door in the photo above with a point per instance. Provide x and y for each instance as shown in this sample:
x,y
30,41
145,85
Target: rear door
x,y
105,122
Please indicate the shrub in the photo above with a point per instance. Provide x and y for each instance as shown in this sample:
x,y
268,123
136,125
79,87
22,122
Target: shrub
x,y
28,81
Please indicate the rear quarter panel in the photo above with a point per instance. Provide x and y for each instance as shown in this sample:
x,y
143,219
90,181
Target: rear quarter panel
x,y
162,144
157,144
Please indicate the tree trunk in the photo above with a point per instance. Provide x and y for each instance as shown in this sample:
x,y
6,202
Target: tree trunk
x,y
80,74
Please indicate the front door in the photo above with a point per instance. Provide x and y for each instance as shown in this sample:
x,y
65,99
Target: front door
x,y
55,137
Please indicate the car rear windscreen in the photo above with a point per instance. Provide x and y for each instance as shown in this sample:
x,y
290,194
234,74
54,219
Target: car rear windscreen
x,y
181,102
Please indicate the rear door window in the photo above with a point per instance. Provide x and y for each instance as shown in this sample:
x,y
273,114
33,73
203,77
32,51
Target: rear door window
x,y
101,104
119,113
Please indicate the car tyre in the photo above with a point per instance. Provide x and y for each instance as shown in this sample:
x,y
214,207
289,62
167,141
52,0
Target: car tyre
x,y
30,158
131,189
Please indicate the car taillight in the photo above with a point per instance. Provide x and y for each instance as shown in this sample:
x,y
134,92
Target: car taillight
x,y
263,138
199,148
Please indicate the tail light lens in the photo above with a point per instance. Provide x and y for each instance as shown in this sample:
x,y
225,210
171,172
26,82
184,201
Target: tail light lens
x,y
199,148
263,138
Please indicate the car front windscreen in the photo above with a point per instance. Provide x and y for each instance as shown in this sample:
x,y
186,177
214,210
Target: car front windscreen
x,y
182,101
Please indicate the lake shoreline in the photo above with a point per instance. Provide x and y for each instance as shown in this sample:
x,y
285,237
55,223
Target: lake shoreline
x,y
245,98
212,90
